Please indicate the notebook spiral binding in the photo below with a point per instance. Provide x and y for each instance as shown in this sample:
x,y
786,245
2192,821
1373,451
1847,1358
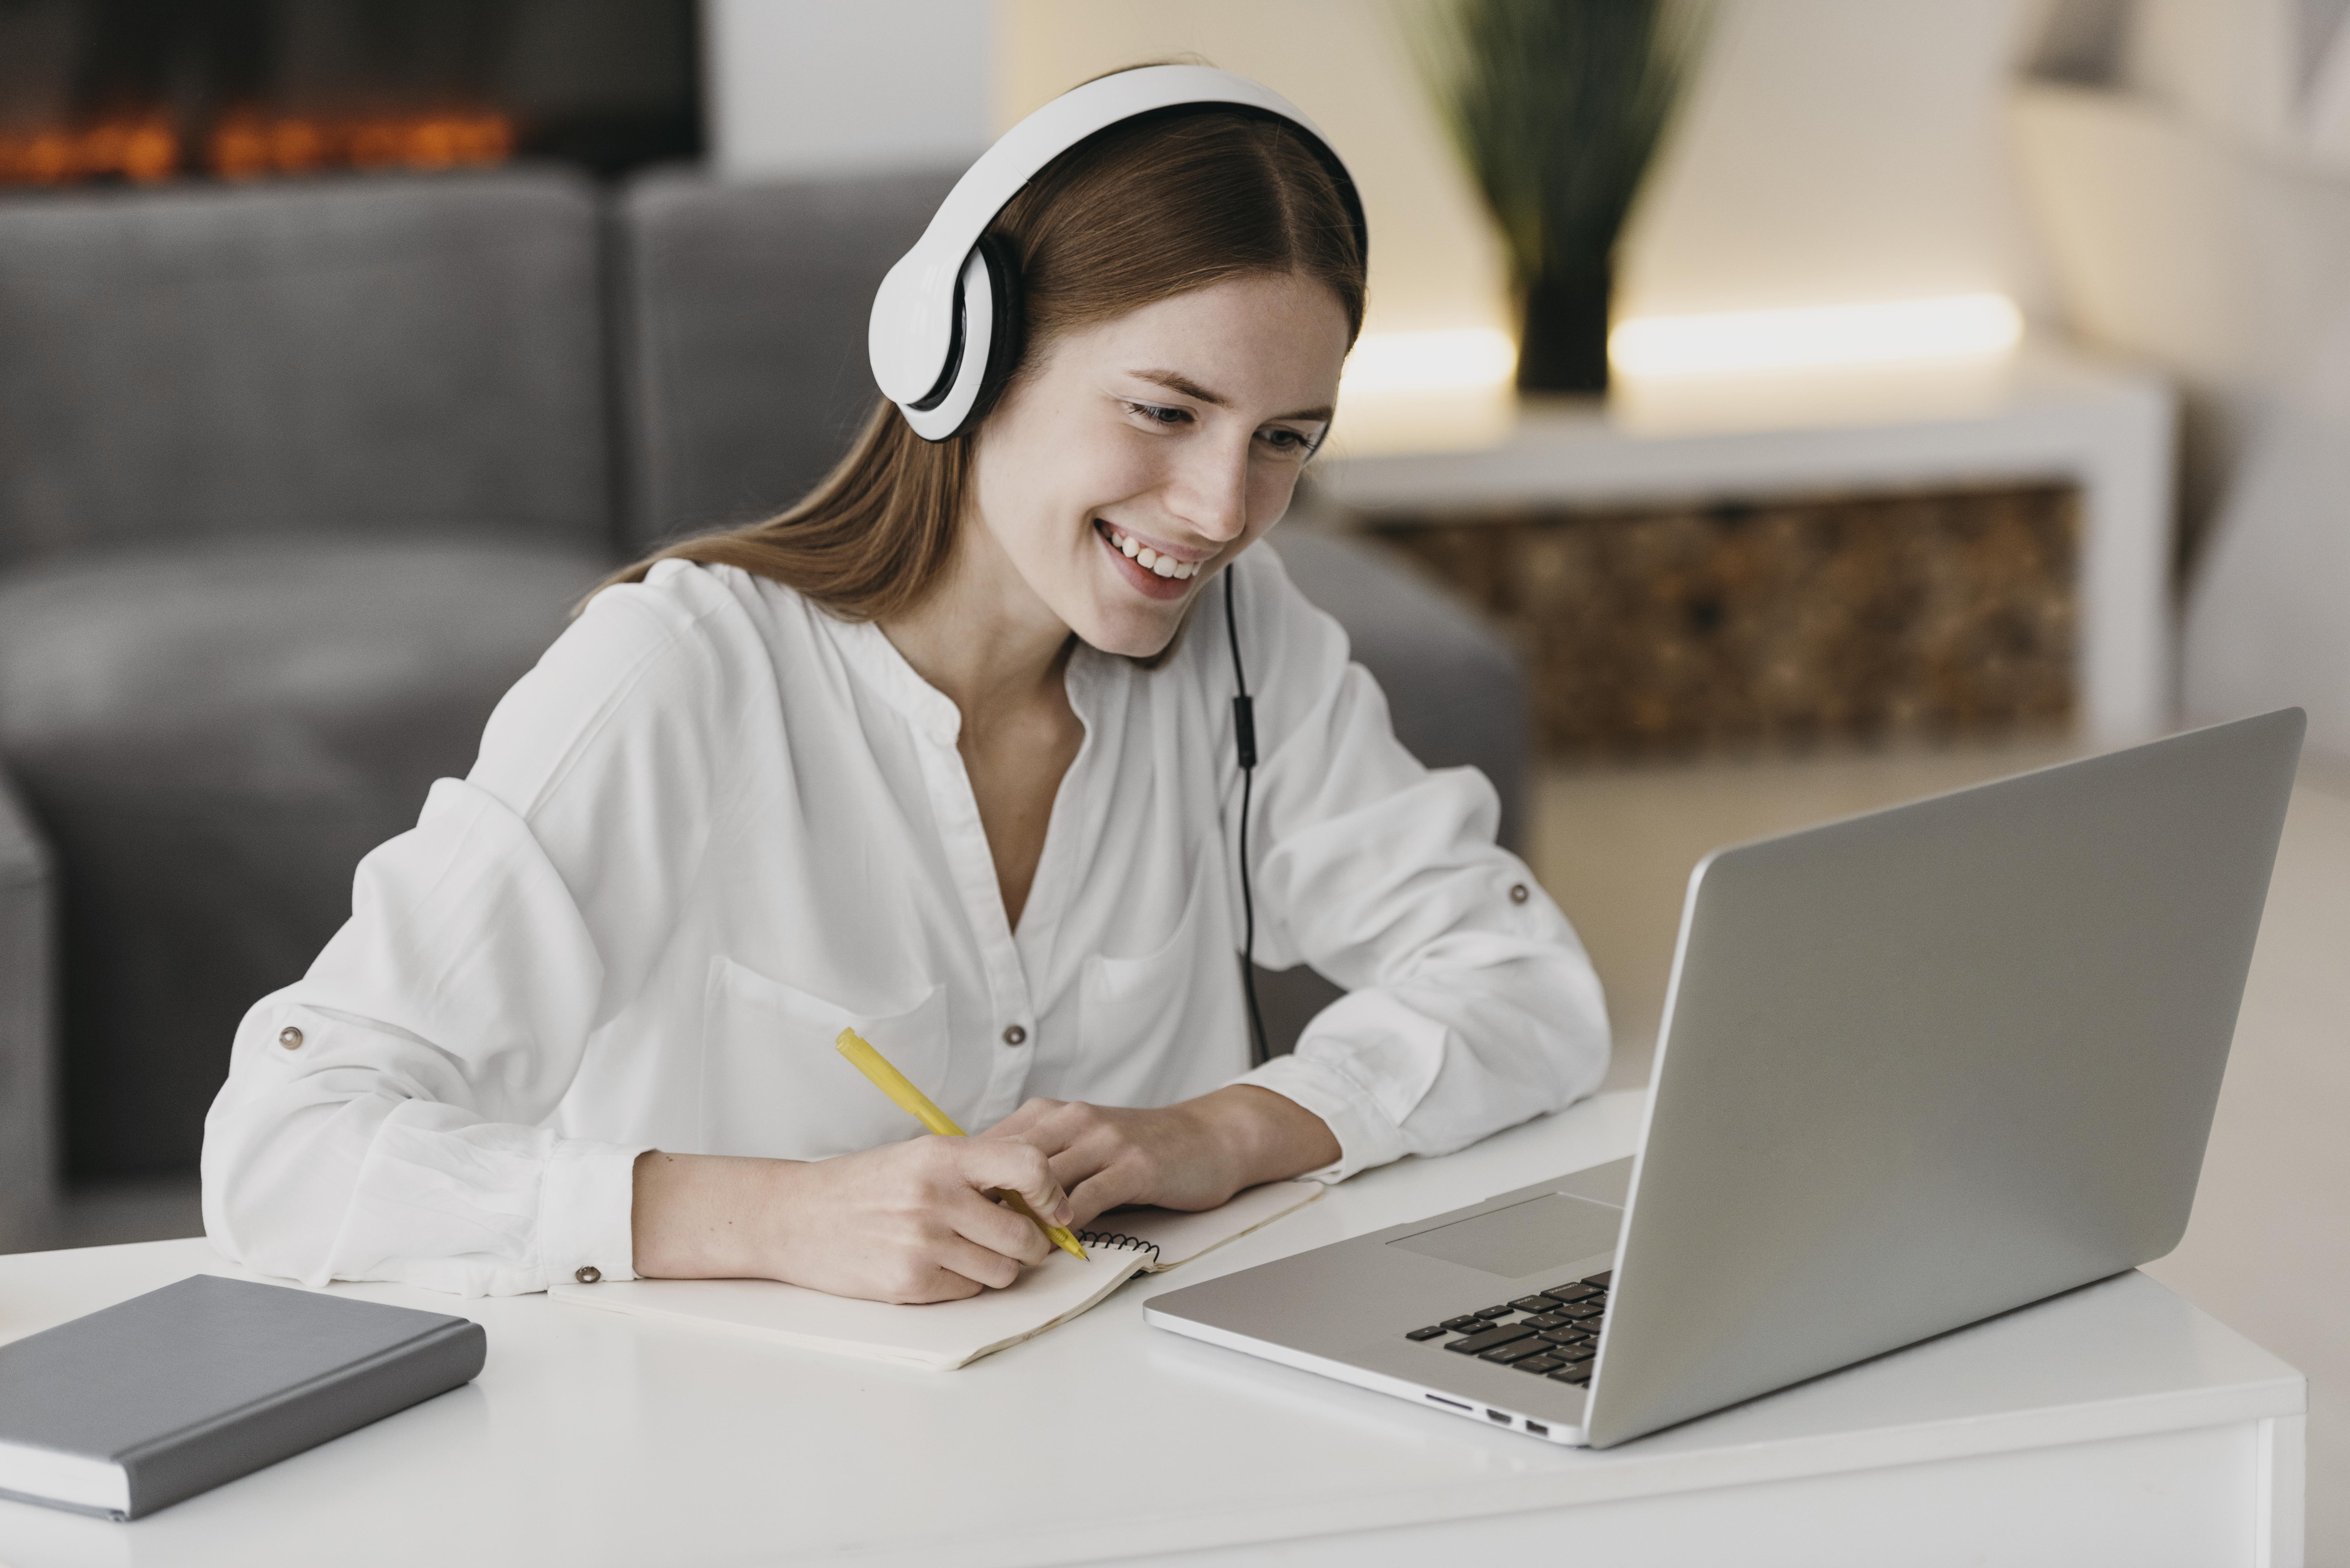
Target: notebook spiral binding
x,y
1114,1239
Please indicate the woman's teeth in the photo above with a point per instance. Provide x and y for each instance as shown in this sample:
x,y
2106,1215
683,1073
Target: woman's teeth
x,y
1144,555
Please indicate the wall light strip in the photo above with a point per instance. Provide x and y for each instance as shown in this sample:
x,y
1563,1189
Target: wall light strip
x,y
1957,326
1467,357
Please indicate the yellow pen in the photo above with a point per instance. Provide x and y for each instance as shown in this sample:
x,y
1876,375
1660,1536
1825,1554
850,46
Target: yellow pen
x,y
917,1105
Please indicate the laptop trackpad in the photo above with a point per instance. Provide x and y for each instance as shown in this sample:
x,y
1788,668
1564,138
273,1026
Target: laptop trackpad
x,y
1546,1232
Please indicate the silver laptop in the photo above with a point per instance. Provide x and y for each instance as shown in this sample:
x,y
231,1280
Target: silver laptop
x,y
1917,1068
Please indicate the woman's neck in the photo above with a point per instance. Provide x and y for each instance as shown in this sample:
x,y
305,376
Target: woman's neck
x,y
983,638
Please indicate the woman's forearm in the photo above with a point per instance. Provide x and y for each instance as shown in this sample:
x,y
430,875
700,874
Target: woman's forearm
x,y
910,1221
695,1216
1268,1136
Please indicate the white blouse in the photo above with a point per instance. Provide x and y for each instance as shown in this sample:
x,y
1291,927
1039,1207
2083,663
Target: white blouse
x,y
715,825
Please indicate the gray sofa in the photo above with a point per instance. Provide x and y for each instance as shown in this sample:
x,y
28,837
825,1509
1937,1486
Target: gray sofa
x,y
296,479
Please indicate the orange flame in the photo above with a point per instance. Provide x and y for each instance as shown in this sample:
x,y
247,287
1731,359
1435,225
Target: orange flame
x,y
141,149
245,146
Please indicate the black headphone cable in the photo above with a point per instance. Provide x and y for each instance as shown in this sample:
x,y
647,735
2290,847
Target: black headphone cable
x,y
1244,743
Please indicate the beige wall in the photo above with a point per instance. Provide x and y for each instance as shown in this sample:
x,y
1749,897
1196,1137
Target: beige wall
x,y
1434,261
1835,150
1830,150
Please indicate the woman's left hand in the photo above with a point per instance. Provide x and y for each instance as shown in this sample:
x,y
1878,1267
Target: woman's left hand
x,y
1190,1156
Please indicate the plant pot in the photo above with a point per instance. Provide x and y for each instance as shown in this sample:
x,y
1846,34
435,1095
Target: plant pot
x,y
1563,332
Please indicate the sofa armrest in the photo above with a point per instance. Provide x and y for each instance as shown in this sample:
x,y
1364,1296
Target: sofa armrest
x,y
1454,689
28,1090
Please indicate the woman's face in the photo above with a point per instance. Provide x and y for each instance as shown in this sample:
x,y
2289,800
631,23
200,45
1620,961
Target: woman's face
x,y
1139,455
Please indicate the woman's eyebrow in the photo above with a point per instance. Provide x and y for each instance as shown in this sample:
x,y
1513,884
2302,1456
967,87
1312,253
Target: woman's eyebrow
x,y
1176,381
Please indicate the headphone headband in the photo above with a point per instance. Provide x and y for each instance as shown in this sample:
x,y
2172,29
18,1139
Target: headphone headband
x,y
932,323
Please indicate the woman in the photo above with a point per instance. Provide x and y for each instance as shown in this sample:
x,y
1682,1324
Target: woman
x,y
937,755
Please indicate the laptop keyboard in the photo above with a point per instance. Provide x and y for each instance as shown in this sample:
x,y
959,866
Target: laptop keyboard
x,y
1554,1333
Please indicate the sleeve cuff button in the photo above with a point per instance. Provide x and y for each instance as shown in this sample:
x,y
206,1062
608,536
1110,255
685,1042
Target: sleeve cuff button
x,y
290,1037
589,1275
1519,893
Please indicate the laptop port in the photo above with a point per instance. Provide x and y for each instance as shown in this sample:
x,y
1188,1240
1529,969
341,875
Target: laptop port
x,y
1441,1399
1497,1416
1537,1429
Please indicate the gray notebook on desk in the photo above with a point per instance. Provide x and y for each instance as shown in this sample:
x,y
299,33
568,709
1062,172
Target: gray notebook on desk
x,y
169,1394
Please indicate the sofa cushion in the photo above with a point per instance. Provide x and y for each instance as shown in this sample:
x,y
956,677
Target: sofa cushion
x,y
211,737
744,338
384,353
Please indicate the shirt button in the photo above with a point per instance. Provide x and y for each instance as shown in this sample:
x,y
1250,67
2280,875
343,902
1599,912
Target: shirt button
x,y
1015,1035
589,1275
1518,893
290,1037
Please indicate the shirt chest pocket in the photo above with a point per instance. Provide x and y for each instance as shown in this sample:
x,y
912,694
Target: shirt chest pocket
x,y
1168,1024
774,1086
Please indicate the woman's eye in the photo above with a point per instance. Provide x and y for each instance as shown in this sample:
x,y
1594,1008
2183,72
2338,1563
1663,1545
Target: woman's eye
x,y
1286,441
1159,414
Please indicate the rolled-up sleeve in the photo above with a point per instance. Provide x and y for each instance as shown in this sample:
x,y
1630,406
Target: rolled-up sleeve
x,y
392,1115
1472,1006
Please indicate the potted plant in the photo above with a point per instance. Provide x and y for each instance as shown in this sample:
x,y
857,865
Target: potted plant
x,y
1557,106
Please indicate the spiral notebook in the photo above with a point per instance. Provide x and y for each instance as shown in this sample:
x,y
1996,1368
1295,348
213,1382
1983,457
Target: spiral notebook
x,y
948,1334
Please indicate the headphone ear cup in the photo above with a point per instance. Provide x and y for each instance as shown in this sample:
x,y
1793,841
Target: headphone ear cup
x,y
1008,336
938,417
986,345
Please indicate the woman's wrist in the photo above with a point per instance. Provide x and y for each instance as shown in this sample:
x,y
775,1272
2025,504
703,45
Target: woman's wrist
x,y
1263,1136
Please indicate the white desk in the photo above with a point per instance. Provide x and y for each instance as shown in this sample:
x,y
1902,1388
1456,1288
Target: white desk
x,y
2042,414
2115,1424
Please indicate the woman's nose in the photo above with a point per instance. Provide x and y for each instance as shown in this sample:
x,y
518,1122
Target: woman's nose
x,y
1211,492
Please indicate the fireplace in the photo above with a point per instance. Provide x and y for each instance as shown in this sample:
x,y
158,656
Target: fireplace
x,y
95,92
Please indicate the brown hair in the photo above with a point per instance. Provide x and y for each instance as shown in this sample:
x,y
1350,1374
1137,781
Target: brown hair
x,y
1148,209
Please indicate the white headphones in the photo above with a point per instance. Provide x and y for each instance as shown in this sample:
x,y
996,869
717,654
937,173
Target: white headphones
x,y
944,312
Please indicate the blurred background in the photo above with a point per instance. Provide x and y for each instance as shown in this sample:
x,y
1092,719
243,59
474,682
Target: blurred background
x,y
1768,410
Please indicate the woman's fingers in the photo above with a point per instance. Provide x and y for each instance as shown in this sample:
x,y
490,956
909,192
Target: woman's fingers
x,y
1021,1121
1100,1155
1115,1184
983,1266
1012,1166
1100,1173
1079,1137
1037,1121
976,1217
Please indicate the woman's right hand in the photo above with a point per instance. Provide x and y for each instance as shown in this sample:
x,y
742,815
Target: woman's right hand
x,y
905,1222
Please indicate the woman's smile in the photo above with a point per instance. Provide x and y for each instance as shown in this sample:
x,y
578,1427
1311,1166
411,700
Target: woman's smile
x,y
1175,433
1160,574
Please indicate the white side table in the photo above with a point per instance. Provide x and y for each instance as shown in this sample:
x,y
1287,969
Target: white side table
x,y
2040,415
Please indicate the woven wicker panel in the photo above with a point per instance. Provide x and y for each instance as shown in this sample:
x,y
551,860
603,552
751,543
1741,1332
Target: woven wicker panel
x,y
1673,629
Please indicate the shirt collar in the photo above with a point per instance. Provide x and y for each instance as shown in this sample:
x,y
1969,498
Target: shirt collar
x,y
930,710
870,651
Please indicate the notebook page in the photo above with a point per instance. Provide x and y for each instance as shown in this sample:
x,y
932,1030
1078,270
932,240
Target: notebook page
x,y
938,1335
1180,1237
